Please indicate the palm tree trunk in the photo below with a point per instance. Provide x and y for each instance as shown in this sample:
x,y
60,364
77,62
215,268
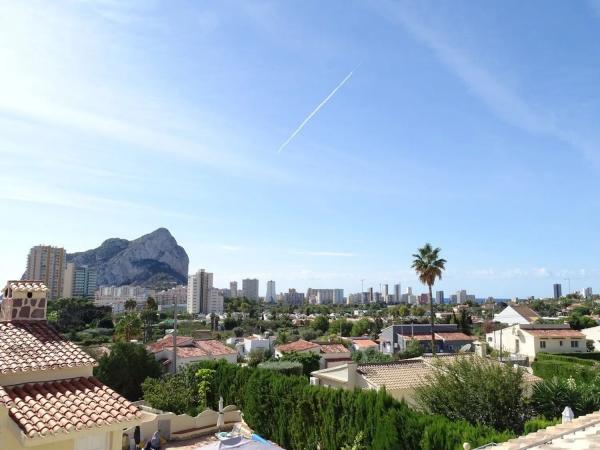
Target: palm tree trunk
x,y
432,320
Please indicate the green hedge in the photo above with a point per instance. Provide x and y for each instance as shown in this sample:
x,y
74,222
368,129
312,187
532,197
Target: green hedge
x,y
563,369
585,356
581,359
283,367
296,415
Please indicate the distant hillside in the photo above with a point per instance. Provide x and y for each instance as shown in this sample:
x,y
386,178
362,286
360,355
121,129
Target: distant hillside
x,y
153,260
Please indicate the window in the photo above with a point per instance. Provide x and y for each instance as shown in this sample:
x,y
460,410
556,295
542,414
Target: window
x,y
574,344
560,343
489,339
542,344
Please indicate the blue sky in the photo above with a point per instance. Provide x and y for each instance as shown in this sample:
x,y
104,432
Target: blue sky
x,y
470,125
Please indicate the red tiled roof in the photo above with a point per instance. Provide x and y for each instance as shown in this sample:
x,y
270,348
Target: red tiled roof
x,y
454,336
333,348
364,343
556,333
31,346
214,347
167,341
298,346
62,406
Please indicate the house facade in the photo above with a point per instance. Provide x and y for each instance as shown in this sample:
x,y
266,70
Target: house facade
x,y
448,339
49,398
530,339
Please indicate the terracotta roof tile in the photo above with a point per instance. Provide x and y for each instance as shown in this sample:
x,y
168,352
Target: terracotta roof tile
x,y
40,409
298,346
454,337
214,347
334,348
418,337
365,343
556,333
31,346
167,342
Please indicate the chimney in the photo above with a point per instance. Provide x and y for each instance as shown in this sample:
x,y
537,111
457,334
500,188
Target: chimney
x,y
24,301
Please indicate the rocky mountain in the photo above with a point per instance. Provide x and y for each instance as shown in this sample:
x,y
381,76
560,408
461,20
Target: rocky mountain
x,y
153,260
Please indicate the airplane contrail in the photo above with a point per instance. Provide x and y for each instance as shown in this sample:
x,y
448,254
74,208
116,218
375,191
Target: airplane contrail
x,y
316,110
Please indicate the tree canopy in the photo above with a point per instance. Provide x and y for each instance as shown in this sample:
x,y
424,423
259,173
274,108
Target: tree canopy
x,y
126,367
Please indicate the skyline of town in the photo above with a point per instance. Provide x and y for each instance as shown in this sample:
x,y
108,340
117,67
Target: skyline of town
x,y
463,136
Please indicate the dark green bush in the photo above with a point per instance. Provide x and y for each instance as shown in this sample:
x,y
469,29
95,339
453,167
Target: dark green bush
x,y
296,415
283,367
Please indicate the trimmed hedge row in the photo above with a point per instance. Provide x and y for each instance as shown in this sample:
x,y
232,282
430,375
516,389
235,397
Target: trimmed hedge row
x,y
570,357
296,415
563,369
283,367
585,356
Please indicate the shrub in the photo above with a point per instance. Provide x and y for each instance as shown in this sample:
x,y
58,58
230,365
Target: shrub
x,y
477,390
283,367
287,410
310,361
538,423
125,367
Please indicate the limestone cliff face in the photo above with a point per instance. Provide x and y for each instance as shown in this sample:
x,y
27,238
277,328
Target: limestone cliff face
x,y
152,260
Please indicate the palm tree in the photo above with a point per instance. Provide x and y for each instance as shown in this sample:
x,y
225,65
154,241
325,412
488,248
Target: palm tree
x,y
429,266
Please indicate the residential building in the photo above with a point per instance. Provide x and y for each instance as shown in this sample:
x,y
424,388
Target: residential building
x,y
453,299
530,339
461,297
397,293
49,398
385,294
587,293
116,296
424,299
299,346
325,296
516,314
176,295
271,296
331,354
79,282
250,288
395,338
47,264
256,342
233,289
364,344
198,289
190,350
593,334
292,297
557,288
214,305
401,379
439,297
358,298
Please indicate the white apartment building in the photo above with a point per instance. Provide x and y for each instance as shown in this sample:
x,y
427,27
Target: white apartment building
x,y
215,302
174,296
397,293
116,296
198,289
439,297
325,296
271,296
79,282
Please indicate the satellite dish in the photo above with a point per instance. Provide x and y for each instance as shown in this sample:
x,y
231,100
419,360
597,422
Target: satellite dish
x,y
465,348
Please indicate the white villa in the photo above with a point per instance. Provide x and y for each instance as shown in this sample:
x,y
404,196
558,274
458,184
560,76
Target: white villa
x,y
529,340
516,314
